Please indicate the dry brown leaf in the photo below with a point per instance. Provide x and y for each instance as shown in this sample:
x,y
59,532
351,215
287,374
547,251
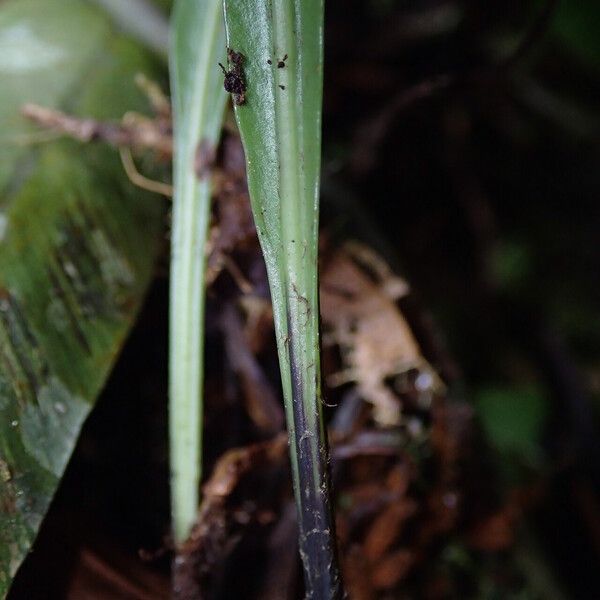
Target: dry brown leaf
x,y
358,307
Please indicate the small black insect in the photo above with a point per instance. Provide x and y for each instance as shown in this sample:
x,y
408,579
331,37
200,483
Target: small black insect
x,y
234,82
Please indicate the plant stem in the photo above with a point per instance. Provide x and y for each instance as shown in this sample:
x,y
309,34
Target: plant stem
x,y
197,45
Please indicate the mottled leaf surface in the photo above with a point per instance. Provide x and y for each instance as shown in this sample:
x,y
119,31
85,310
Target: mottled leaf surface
x,y
77,245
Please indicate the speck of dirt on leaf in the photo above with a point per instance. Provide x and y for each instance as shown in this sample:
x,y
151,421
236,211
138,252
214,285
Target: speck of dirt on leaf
x,y
235,82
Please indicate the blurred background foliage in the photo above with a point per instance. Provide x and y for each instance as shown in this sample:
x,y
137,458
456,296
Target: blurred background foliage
x,y
474,148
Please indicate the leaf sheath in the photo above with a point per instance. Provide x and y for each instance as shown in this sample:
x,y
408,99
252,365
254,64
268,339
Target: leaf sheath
x,y
280,125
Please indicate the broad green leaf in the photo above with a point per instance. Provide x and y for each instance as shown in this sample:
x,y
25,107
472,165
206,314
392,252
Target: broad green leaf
x,y
45,49
77,245
197,46
281,43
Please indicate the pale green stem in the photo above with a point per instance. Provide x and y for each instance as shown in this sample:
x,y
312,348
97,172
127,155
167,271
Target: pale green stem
x,y
197,45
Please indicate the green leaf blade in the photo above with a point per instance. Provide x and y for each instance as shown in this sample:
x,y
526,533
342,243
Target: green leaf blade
x,y
77,248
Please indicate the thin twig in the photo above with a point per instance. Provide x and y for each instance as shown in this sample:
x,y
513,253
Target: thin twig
x,y
159,102
134,131
141,133
140,180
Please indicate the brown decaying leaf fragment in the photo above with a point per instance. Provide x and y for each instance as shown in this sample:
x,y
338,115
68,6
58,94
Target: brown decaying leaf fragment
x,y
232,229
213,537
359,311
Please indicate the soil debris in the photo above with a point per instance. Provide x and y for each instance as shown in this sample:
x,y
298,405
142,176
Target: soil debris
x,y
217,529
